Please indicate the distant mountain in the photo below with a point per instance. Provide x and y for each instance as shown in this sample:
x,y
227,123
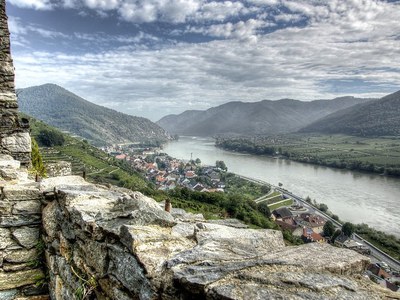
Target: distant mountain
x,y
376,118
249,118
100,125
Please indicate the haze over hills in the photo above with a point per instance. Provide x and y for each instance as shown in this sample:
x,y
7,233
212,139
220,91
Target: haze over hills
x,y
376,118
250,118
67,111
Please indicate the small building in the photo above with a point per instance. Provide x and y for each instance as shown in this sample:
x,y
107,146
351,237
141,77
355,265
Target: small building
x,y
281,213
309,236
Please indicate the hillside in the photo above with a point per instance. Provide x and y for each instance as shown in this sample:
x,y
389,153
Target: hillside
x,y
249,118
376,118
100,125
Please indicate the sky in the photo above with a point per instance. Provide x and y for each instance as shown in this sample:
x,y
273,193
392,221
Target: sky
x,y
152,58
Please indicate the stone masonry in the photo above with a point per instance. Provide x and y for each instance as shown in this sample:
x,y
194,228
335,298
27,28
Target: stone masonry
x,y
14,133
21,253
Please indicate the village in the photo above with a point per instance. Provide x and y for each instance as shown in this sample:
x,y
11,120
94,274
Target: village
x,y
303,221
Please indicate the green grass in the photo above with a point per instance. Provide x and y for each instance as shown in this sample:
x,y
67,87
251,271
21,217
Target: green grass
x,y
288,202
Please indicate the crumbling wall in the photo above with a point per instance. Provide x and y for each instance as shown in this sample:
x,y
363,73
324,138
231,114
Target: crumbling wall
x,y
21,250
14,133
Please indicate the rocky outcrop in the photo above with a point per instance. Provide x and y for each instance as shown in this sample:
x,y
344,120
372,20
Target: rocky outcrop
x,y
118,244
14,134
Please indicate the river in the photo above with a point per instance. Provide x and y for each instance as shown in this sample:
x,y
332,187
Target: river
x,y
353,196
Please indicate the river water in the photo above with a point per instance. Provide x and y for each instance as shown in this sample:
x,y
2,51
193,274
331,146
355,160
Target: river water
x,y
355,197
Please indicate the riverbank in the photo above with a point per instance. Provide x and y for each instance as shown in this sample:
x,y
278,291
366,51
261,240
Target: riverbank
x,y
383,246
372,155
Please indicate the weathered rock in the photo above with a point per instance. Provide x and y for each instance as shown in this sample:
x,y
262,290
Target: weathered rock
x,y
153,245
19,220
29,207
21,256
222,243
22,192
125,268
12,280
27,237
50,220
8,295
5,238
58,168
17,142
16,267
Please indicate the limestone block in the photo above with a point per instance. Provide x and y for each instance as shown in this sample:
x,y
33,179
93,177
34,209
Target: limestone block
x,y
95,255
50,220
8,294
21,256
5,239
18,142
27,207
27,237
6,207
8,161
8,173
63,182
222,243
12,280
113,289
153,245
15,267
22,192
125,268
19,220
183,230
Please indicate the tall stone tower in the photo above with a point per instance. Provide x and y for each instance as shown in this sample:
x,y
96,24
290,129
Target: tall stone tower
x,y
14,133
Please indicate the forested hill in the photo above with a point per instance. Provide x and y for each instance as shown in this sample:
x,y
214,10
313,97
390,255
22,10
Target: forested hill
x,y
377,118
251,118
100,125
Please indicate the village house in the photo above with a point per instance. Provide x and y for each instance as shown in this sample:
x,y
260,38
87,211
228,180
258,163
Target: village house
x,y
309,236
311,221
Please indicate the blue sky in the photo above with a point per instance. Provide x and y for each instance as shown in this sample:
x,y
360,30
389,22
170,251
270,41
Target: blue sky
x,y
155,57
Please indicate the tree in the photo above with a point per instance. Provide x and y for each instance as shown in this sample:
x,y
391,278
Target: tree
x,y
37,162
221,164
198,161
50,138
265,189
336,234
264,209
348,229
323,207
329,228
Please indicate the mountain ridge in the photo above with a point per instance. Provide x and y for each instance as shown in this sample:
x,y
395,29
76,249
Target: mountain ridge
x,y
67,111
379,117
249,118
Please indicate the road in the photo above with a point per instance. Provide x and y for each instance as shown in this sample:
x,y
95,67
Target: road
x,y
376,254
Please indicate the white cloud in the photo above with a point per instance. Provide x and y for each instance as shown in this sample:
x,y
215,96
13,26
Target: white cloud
x,y
342,42
35,4
219,11
247,30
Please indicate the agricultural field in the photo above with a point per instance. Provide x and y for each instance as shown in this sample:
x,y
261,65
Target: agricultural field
x,y
379,155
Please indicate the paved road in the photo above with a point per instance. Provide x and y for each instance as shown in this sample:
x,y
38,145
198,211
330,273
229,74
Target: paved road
x,y
376,254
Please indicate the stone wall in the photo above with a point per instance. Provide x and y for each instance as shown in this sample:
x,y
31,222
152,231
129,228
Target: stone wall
x,y
21,253
14,133
113,243
58,168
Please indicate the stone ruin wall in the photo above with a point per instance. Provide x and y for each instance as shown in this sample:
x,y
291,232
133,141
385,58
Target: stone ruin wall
x,y
14,133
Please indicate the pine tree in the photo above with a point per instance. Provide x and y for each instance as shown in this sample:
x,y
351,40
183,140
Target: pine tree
x,y
37,161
